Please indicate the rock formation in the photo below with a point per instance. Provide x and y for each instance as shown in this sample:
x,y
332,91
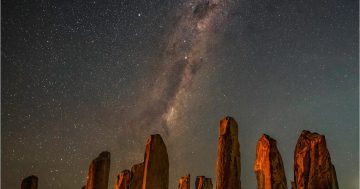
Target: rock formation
x,y
184,182
30,182
137,175
228,160
203,183
123,180
268,167
156,167
312,163
98,175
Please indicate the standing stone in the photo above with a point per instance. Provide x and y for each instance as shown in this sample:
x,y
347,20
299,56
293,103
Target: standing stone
x,y
184,182
228,160
203,183
268,167
123,180
137,175
312,163
156,168
30,182
98,176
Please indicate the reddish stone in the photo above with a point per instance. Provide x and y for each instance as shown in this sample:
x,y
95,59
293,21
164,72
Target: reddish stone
x,y
184,182
228,160
137,176
98,175
203,183
123,180
313,168
156,168
268,167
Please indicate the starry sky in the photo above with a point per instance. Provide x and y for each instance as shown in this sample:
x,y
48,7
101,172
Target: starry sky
x,y
80,77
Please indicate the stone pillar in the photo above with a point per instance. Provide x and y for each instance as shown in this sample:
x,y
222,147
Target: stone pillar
x,y
137,176
228,160
156,167
312,163
98,175
184,182
30,182
123,180
203,183
268,167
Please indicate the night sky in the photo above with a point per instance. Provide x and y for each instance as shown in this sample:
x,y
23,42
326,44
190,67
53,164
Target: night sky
x,y
80,77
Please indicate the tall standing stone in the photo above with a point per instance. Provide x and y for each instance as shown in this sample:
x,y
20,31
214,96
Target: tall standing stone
x,y
203,183
269,167
98,176
156,168
184,182
312,163
228,160
123,180
137,175
30,182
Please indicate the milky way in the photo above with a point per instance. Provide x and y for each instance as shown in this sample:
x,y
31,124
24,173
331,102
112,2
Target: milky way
x,y
197,25
80,77
185,51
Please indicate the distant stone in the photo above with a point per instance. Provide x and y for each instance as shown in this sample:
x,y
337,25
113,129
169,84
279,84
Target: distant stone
x,y
98,175
203,183
184,182
312,163
269,167
228,161
156,168
293,185
123,180
137,175
30,182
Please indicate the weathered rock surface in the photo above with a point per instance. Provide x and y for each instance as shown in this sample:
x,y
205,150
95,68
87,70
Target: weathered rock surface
x,y
203,183
156,167
184,182
123,180
312,163
98,175
137,176
228,160
30,182
268,167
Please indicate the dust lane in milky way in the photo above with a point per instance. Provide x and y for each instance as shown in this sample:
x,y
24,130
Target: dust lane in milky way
x,y
184,55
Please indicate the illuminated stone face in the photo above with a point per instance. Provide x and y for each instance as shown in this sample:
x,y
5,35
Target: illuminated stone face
x,y
156,164
184,182
312,163
268,166
203,183
123,180
228,160
98,175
